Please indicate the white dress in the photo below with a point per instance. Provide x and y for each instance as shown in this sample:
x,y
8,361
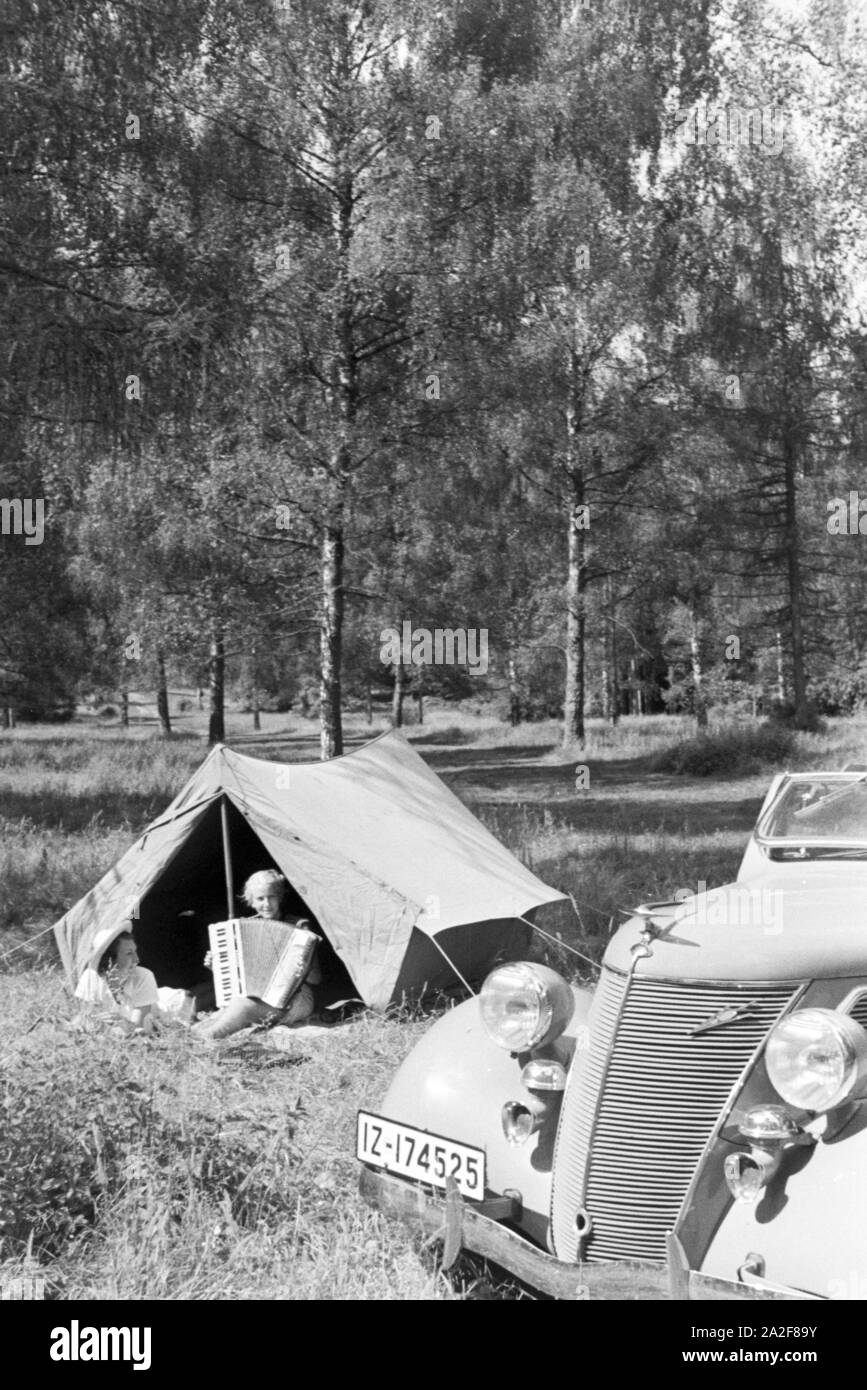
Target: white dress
x,y
137,992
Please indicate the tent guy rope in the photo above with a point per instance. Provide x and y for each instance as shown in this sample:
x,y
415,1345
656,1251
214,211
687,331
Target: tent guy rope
x,y
555,940
4,955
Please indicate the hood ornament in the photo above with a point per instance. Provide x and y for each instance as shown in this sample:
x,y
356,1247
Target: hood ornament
x,y
652,930
722,1017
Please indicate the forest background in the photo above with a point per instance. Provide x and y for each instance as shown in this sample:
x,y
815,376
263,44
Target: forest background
x,y
536,320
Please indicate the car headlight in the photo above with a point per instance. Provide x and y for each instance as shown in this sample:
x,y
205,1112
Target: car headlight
x,y
817,1059
524,1006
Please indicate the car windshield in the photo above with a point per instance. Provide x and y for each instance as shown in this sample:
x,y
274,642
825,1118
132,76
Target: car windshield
x,y
822,811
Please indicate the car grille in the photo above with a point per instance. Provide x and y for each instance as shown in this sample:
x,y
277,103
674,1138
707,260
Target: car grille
x,y
636,1119
859,1010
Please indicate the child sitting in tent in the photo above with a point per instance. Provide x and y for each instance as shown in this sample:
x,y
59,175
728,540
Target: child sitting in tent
x,y
119,989
265,892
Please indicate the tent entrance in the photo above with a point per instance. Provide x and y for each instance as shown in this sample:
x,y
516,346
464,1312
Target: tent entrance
x,y
172,928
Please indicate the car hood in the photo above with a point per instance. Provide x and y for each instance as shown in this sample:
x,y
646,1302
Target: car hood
x,y
798,924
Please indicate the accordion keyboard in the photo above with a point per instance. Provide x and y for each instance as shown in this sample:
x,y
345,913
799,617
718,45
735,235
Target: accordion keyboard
x,y
227,961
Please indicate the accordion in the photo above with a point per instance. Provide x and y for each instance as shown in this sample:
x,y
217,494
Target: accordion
x,y
255,956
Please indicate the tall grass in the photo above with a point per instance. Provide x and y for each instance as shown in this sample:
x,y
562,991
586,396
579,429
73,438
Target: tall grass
x,y
68,808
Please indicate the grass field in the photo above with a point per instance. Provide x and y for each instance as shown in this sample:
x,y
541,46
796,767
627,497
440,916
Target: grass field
x,y
154,1169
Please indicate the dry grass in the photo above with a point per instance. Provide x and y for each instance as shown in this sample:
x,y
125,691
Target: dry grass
x,y
235,1178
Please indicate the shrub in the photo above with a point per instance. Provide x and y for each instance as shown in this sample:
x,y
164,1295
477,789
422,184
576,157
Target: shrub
x,y
63,1136
783,712
734,751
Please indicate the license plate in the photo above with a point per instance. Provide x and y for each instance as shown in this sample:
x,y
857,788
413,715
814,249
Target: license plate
x,y
416,1154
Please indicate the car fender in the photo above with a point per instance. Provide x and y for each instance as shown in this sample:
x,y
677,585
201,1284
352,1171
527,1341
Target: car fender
x,y
455,1083
810,1226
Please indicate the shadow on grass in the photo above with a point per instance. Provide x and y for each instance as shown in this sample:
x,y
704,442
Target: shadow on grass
x,y
251,1053
457,761
601,815
431,738
530,763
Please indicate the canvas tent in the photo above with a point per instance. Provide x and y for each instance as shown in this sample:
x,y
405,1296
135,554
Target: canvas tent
x,y
406,886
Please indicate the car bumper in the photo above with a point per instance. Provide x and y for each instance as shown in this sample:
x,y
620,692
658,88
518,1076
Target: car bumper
x,y
686,1283
463,1227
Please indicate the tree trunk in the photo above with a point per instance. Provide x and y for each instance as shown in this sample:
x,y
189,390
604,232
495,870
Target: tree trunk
x,y
216,688
573,705
124,709
369,704
612,631
419,692
793,568
615,681
781,675
346,392
515,711
697,688
331,642
163,695
576,583
398,694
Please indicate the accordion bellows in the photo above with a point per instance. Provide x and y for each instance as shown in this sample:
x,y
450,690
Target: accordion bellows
x,y
254,956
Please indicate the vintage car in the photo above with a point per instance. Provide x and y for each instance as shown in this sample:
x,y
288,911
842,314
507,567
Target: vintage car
x,y
700,1112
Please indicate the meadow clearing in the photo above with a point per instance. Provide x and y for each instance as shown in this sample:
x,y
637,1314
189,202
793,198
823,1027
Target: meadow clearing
x,y
157,1169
